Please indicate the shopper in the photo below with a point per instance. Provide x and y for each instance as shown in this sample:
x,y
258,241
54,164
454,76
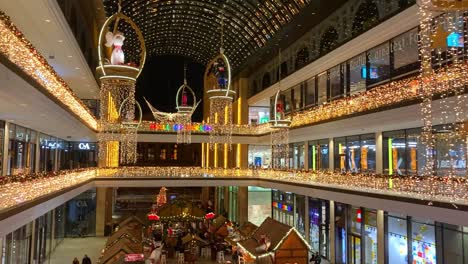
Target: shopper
x,y
86,260
76,261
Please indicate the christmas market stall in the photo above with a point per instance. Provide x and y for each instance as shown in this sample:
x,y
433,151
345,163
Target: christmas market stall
x,y
274,242
241,233
125,241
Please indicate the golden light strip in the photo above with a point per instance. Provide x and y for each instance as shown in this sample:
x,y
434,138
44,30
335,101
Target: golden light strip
x,y
226,155
203,155
25,188
20,52
216,155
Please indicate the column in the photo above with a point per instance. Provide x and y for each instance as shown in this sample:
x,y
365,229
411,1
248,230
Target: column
x,y
103,209
332,232
380,236
331,154
242,204
306,155
56,153
37,156
205,195
6,140
378,153
33,241
307,219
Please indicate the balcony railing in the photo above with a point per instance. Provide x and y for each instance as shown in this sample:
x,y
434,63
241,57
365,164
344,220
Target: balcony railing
x,y
451,190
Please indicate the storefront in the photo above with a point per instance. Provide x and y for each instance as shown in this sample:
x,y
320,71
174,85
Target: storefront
x,y
259,205
81,215
318,154
258,115
75,155
296,156
48,147
319,226
355,153
259,156
21,150
283,207
300,213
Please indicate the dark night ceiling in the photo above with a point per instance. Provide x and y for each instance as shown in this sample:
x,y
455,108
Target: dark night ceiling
x,y
191,28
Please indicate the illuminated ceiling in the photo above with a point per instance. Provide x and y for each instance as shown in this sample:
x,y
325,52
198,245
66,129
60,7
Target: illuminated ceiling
x,y
191,28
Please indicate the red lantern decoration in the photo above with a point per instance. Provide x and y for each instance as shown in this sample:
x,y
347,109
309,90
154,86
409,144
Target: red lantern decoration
x,y
153,217
209,216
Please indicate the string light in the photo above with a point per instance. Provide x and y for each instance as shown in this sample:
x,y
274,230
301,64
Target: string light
x,y
20,52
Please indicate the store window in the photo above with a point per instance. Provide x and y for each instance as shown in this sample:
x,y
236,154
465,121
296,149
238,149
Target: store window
x,y
310,92
450,152
397,239
423,241
283,207
453,244
319,226
259,156
354,235
402,154
405,52
21,150
318,155
340,154
357,74
286,99
353,154
297,97
340,234
336,83
370,236
322,84
232,213
367,163
300,212
258,115
297,157
17,245
378,69
48,147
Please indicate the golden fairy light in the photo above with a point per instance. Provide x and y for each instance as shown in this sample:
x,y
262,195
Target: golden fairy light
x,y
20,52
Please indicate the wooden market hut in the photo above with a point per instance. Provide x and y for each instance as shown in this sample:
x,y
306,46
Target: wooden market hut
x,y
287,245
126,240
242,233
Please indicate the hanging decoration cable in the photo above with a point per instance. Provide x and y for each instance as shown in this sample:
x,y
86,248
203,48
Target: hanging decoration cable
x,y
280,128
443,75
218,83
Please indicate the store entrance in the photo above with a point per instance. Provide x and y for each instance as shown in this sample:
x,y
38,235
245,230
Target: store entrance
x,y
355,248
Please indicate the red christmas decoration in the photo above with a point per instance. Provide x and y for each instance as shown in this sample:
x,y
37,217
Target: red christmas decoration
x,y
209,216
153,217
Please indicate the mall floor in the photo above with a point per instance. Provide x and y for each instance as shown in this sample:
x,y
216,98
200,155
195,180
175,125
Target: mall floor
x,y
78,247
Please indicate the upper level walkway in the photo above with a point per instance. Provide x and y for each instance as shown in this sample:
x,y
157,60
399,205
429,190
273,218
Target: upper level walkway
x,y
24,198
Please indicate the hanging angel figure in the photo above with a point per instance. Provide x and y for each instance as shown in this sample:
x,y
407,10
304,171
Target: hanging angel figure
x,y
116,40
161,198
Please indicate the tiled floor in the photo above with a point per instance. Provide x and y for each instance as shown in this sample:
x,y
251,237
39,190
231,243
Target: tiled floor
x,y
77,247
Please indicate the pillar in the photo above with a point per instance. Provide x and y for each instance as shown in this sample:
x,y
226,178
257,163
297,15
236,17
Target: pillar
x,y
103,209
242,204
331,154
380,236
306,156
37,156
307,218
6,140
378,153
205,195
56,153
33,240
332,232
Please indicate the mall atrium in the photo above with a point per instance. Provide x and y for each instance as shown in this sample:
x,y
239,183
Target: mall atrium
x,y
233,131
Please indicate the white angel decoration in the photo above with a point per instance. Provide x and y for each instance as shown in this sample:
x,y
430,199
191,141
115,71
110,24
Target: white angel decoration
x,y
116,40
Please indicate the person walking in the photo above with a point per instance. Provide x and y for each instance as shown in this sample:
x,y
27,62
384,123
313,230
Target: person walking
x,y
86,260
76,261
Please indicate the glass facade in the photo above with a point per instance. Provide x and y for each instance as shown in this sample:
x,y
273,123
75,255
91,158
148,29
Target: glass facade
x,y
319,227
259,156
355,153
299,214
297,156
283,207
21,150
319,154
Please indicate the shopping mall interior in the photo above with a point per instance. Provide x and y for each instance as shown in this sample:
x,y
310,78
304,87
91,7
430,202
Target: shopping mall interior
x,y
233,131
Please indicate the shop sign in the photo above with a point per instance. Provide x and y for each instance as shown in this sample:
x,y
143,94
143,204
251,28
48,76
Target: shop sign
x,y
81,203
53,145
84,146
134,257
